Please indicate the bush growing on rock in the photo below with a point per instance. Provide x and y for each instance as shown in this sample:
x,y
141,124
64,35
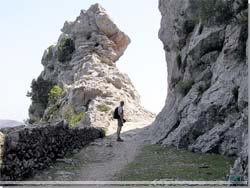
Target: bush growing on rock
x,y
65,49
55,93
39,90
39,96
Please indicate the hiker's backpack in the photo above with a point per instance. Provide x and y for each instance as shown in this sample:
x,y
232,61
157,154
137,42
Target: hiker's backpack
x,y
116,114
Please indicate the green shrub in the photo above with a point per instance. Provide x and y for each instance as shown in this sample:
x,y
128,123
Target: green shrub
x,y
65,49
55,93
184,86
72,117
39,90
39,97
103,108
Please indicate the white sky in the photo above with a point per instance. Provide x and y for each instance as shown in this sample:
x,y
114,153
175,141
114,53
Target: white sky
x,y
28,27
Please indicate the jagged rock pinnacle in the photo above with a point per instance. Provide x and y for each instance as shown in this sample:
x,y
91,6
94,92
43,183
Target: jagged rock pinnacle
x,y
80,69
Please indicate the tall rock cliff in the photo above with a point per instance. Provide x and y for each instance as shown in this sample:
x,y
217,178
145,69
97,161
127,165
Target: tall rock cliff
x,y
80,81
206,109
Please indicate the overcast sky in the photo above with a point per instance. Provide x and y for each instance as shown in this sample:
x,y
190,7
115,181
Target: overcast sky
x,y
28,27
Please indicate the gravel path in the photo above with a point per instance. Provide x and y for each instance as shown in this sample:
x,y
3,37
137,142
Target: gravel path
x,y
102,159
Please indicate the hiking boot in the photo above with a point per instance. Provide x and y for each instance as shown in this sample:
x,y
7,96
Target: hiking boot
x,y
119,140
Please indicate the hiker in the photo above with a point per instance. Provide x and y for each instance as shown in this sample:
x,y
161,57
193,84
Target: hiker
x,y
119,115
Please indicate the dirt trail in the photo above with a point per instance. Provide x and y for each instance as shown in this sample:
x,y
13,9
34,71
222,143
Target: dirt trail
x,y
102,159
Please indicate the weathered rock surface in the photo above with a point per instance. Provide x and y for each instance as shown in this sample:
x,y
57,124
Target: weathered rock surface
x,y
206,108
82,63
32,148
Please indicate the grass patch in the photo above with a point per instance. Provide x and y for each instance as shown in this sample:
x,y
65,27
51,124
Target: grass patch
x,y
103,108
72,117
159,162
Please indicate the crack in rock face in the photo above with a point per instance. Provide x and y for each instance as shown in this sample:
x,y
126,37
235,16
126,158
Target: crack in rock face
x,y
80,81
207,104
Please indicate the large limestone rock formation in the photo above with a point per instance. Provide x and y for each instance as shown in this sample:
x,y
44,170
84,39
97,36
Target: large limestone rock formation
x,y
80,81
207,104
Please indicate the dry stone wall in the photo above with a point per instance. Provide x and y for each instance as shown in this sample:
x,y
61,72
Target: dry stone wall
x,y
32,148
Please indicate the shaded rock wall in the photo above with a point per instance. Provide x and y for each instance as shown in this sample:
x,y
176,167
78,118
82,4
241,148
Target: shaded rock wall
x,y
206,109
32,148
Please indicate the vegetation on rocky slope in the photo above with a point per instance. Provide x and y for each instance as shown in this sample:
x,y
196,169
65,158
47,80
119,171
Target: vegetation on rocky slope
x,y
73,117
39,96
65,49
55,93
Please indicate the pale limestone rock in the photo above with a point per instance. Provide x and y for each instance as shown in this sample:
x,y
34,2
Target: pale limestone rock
x,y
207,103
87,72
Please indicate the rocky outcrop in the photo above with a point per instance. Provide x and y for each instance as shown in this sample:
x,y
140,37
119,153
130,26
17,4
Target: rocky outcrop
x,y
76,92
32,148
206,109
80,81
